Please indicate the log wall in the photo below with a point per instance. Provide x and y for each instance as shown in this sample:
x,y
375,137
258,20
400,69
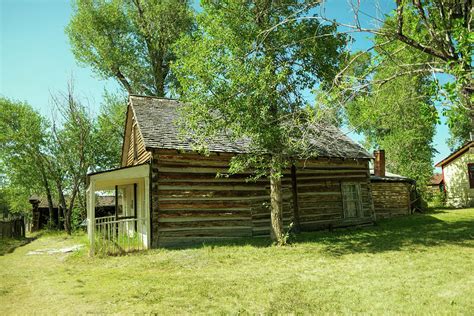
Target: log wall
x,y
391,199
190,204
320,199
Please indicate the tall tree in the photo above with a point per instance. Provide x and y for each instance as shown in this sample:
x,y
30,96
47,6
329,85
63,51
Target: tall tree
x,y
441,31
22,153
129,40
395,114
72,146
245,71
109,131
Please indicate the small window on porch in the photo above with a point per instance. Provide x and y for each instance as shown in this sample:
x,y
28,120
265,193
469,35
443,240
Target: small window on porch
x,y
351,200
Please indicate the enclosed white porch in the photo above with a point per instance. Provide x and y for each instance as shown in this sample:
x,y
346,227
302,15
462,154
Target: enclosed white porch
x,y
128,227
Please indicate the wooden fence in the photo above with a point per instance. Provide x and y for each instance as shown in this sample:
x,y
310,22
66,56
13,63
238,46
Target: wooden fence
x,y
118,236
12,228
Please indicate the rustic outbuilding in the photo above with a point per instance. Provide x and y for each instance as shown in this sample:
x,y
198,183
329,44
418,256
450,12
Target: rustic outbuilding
x,y
168,194
40,215
393,194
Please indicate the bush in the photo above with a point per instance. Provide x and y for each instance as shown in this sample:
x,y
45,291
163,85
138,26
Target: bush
x,y
437,200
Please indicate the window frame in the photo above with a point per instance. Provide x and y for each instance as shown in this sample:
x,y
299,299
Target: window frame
x,y
359,211
470,175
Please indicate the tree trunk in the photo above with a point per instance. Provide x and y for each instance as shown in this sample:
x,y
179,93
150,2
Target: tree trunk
x,y
49,198
66,212
294,192
276,208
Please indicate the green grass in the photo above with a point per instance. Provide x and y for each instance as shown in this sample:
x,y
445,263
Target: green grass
x,y
413,265
8,245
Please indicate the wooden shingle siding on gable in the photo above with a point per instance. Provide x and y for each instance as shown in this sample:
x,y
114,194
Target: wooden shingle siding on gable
x,y
132,131
142,155
190,204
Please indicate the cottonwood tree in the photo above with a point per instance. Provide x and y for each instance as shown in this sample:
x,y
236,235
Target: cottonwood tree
x,y
129,40
441,32
398,113
72,151
109,130
401,118
22,154
245,72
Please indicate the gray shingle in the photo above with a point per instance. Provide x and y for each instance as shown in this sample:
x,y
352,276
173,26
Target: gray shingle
x,y
156,118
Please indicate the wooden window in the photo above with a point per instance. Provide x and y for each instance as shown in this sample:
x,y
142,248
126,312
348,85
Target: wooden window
x,y
470,170
351,200
135,149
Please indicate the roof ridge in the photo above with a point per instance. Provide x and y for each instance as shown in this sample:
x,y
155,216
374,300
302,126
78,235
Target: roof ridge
x,y
152,97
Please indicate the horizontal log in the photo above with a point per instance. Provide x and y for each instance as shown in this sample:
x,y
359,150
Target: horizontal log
x,y
320,198
320,217
191,198
227,212
177,241
211,193
313,180
320,206
320,189
220,223
203,205
208,186
201,176
205,232
313,212
197,218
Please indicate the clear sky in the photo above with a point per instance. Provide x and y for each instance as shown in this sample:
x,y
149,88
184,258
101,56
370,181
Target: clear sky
x,y
35,57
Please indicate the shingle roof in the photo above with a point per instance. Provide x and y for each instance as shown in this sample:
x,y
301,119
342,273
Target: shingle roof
x,y
156,118
389,177
436,179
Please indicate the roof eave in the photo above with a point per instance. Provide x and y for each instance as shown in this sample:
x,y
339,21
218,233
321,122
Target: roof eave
x,y
455,154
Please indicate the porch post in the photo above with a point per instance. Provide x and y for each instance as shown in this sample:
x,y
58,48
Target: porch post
x,y
147,206
91,216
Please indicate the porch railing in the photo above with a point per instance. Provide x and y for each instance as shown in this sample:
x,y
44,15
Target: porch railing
x,y
118,236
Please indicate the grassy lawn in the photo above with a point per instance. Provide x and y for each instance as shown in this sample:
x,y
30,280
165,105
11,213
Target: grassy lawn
x,y
8,245
412,265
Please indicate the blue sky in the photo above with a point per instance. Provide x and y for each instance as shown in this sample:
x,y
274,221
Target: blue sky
x,y
35,58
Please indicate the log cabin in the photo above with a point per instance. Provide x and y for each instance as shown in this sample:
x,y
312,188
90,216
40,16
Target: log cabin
x,y
392,193
168,194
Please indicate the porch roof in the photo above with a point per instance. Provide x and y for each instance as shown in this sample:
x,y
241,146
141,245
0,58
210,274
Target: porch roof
x,y
107,180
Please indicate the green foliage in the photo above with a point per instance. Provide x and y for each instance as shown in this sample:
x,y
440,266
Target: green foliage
x,y
244,71
459,126
437,199
36,157
22,145
109,131
441,34
393,110
129,40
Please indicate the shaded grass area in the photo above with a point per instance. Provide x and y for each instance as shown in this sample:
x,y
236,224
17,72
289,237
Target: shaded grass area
x,y
8,245
411,265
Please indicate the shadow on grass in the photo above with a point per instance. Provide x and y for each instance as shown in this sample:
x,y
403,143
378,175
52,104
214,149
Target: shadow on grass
x,y
395,234
8,245
388,235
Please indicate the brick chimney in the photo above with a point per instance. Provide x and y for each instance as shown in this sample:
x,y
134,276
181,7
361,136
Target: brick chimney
x,y
379,163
